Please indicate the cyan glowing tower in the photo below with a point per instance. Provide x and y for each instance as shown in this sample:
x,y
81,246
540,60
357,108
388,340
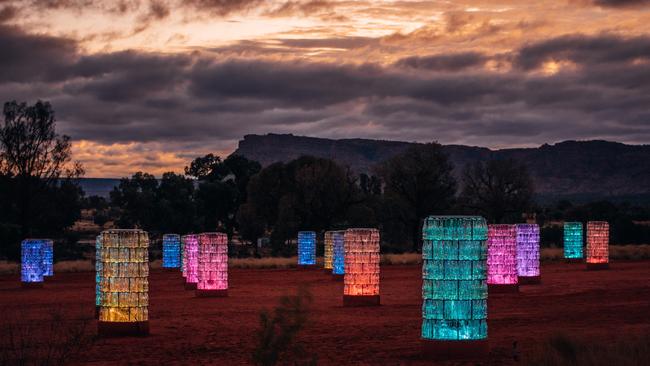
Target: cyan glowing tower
x,y
454,284
306,248
124,308
213,265
573,249
171,251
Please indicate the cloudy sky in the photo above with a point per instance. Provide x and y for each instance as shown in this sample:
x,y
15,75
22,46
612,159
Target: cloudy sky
x,y
149,85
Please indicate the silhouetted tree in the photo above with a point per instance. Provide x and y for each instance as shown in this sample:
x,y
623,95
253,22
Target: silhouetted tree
x,y
306,193
500,190
37,173
421,178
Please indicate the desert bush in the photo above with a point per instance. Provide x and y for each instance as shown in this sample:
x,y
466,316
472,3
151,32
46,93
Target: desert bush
x,y
279,330
44,342
561,350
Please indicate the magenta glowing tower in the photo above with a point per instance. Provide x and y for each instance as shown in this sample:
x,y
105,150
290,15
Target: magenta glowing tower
x,y
213,265
502,258
597,245
528,254
191,261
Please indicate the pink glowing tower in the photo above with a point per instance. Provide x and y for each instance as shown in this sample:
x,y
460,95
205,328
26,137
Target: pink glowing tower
x,y
191,261
502,258
213,265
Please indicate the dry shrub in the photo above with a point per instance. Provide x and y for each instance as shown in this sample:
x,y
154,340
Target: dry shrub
x,y
277,337
563,350
52,341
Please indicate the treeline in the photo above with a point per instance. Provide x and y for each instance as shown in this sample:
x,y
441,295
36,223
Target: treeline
x,y
236,195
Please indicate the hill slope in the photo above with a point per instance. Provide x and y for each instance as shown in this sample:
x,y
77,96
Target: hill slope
x,y
570,169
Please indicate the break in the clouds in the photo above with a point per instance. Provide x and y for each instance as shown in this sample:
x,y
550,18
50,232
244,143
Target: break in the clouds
x,y
149,85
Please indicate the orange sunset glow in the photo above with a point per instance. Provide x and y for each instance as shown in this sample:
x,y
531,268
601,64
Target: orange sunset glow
x,y
149,85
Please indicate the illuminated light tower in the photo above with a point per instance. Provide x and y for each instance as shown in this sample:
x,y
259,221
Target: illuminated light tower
x,y
338,255
306,249
528,254
573,251
361,279
191,257
183,257
171,251
98,274
597,245
327,254
31,268
48,257
124,308
454,287
213,265
502,258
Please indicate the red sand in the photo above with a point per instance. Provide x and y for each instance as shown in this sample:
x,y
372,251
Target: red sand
x,y
190,330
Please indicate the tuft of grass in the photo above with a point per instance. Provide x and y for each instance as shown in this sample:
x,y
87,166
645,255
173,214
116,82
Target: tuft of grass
x,y
561,350
277,337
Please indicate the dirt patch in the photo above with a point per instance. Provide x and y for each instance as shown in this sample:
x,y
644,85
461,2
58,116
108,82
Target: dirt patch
x,y
598,305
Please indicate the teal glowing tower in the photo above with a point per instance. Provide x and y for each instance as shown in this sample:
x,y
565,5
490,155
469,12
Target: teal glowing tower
x,y
573,248
454,286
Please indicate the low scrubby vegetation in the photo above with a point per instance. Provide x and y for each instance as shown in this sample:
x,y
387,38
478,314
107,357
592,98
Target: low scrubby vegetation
x,y
564,350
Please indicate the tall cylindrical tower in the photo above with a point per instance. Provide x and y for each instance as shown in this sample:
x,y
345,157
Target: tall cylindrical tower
x,y
191,257
31,268
48,257
361,279
171,251
528,254
597,245
328,250
338,255
502,258
454,286
213,265
124,308
306,248
573,241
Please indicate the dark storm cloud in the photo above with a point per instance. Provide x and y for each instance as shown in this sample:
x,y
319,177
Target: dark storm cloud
x,y
27,57
621,3
584,50
452,62
125,76
198,99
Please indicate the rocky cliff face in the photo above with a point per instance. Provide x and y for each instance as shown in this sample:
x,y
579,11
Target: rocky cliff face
x,y
598,169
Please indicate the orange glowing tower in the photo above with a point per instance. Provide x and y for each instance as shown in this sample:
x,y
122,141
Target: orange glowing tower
x,y
597,245
361,280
